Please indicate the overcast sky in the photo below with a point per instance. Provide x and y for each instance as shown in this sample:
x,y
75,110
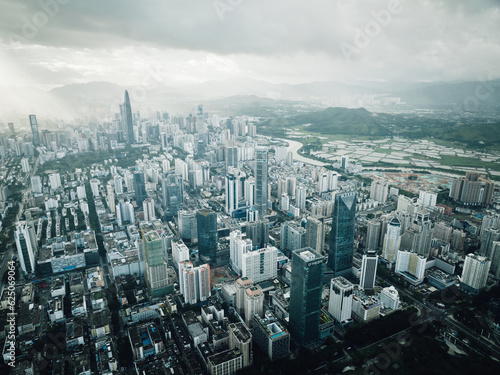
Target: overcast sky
x,y
281,41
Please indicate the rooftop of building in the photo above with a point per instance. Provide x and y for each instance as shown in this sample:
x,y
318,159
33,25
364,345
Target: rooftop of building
x,y
439,274
196,329
99,319
477,257
253,291
74,329
75,278
241,332
244,281
57,283
342,282
77,299
225,356
368,302
270,324
154,333
391,290
151,236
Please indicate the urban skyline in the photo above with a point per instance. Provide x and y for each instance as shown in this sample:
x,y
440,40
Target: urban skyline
x,y
232,187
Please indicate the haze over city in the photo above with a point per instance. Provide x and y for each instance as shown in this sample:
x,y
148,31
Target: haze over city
x,y
177,45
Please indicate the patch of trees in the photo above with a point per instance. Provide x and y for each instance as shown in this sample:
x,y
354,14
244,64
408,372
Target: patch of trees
x,y
364,334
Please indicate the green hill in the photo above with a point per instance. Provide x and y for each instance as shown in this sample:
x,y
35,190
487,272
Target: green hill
x,y
488,133
334,121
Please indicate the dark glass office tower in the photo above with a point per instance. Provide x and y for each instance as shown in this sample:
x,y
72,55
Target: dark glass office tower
x,y
206,221
232,160
172,187
261,176
140,188
342,235
34,131
127,119
305,295
24,236
368,270
258,232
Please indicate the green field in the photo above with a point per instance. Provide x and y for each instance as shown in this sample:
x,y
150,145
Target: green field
x,y
468,162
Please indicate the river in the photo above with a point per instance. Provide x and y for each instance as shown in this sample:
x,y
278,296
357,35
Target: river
x,y
294,146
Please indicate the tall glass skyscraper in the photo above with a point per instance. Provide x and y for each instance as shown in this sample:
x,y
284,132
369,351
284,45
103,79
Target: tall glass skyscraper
x,y
128,121
173,192
140,188
342,235
392,240
233,190
261,177
305,295
26,246
207,234
157,270
368,270
34,131
232,160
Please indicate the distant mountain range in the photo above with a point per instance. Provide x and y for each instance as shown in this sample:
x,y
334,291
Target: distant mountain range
x,y
162,97
235,97
467,95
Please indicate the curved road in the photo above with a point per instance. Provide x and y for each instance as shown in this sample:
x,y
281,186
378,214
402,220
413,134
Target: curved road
x,y
294,146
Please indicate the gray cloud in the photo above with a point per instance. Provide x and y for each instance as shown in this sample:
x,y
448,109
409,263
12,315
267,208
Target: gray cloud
x,y
282,40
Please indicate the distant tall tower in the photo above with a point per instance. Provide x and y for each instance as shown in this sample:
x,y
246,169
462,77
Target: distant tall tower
x,y
237,247
315,234
261,176
373,235
342,235
231,156
157,270
128,120
26,247
111,198
475,273
194,282
188,228
233,187
207,233
341,296
368,270
140,188
305,295
149,209
300,197
292,237
34,131
258,232
11,129
36,184
118,185
173,192
392,240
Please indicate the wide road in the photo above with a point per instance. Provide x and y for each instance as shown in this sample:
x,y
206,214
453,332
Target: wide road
x,y
294,146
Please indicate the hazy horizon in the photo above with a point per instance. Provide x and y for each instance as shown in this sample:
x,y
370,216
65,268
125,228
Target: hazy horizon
x,y
52,43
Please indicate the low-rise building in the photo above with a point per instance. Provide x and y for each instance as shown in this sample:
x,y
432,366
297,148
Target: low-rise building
x,y
145,341
228,362
271,336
